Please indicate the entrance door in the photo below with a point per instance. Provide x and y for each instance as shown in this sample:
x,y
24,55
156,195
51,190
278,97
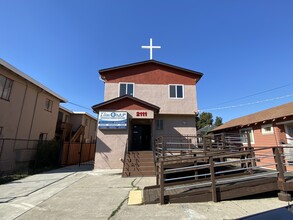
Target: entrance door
x,y
289,133
141,137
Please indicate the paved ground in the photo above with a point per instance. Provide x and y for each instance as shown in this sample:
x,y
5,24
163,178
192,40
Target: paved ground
x,y
74,193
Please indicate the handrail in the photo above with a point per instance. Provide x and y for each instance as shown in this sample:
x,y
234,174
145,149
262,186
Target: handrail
x,y
125,153
241,160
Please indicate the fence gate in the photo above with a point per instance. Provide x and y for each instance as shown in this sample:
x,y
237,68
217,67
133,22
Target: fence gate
x,y
77,153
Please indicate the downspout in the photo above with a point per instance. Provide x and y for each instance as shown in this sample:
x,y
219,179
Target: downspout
x,y
34,112
21,110
275,135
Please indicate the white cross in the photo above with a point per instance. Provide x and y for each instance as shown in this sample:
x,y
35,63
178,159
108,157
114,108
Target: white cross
x,y
151,47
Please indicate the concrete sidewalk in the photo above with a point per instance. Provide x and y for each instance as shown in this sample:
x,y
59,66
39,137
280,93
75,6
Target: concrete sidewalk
x,y
74,193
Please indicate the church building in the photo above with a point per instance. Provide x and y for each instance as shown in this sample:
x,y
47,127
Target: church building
x,y
143,101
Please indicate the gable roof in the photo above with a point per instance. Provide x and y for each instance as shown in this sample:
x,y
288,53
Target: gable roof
x,y
31,80
121,99
199,74
268,114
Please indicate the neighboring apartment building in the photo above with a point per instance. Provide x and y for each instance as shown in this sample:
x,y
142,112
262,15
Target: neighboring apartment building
x,y
143,101
28,111
69,123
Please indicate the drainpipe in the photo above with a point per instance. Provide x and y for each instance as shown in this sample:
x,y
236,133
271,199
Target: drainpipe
x,y
34,112
275,135
21,111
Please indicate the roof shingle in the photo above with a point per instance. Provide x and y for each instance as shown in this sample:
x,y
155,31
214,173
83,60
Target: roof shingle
x,y
268,114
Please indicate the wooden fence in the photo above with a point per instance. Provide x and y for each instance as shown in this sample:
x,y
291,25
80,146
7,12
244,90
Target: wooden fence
x,y
76,153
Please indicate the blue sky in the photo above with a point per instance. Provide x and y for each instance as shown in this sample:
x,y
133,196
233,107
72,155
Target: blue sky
x,y
243,47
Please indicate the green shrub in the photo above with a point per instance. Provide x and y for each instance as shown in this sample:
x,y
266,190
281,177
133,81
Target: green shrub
x,y
47,154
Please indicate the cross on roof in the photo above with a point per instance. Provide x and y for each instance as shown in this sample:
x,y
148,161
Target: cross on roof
x,y
151,47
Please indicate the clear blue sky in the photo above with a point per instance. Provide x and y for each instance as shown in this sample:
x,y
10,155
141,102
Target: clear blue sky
x,y
243,47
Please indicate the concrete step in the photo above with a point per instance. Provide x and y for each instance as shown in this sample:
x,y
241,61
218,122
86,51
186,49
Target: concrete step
x,y
139,163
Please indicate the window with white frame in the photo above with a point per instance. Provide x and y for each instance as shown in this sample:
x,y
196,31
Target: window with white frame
x,y
126,89
48,105
5,87
159,124
244,135
267,129
176,91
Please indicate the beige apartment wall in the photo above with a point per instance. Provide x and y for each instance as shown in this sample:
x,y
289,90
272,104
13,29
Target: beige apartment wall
x,y
76,120
65,113
90,130
90,133
176,125
24,115
43,120
159,95
110,149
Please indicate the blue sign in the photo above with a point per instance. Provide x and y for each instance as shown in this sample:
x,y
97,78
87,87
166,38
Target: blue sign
x,y
112,120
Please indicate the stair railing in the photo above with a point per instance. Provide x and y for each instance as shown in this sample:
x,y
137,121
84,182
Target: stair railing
x,y
125,159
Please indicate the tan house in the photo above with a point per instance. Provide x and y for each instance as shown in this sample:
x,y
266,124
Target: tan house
x,y
70,123
28,111
143,101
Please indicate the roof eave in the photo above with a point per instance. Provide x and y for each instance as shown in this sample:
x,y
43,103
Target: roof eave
x,y
151,61
31,80
156,108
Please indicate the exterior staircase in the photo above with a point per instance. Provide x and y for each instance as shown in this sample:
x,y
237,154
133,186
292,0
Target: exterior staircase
x,y
138,164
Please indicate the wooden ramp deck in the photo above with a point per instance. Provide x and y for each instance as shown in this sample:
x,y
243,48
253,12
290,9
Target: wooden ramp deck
x,y
228,188
201,174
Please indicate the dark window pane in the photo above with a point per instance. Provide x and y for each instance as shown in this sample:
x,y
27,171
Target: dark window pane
x,y
159,124
179,91
122,89
130,89
5,87
2,84
172,91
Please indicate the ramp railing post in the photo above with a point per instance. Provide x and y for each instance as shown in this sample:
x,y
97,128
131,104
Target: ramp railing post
x,y
279,166
162,183
213,180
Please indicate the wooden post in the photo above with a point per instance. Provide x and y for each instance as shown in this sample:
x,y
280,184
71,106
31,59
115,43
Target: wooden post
x,y
283,195
80,153
213,180
204,144
279,166
251,149
162,183
223,140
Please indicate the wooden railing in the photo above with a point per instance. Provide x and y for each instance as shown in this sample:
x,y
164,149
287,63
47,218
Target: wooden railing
x,y
214,162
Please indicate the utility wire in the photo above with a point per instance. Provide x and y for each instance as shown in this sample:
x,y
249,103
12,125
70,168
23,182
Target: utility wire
x,y
79,106
254,94
245,104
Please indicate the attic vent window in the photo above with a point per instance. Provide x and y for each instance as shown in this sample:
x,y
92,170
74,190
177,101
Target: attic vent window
x,y
126,89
